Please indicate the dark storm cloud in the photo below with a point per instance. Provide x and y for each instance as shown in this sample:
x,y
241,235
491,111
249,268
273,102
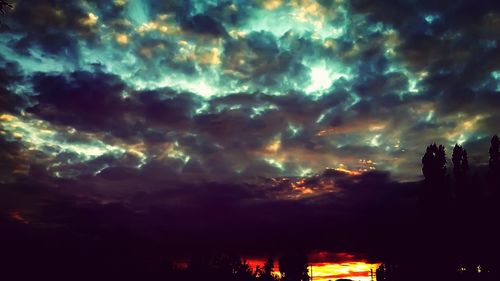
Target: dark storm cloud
x,y
218,216
444,47
204,24
457,63
263,60
10,157
109,11
150,49
402,14
221,11
95,101
297,107
167,107
52,27
10,75
229,126
90,101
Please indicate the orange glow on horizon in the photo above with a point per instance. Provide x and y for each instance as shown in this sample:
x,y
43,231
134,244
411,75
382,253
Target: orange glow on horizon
x,y
326,270
355,270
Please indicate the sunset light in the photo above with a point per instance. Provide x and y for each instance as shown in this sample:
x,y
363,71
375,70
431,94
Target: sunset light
x,y
357,271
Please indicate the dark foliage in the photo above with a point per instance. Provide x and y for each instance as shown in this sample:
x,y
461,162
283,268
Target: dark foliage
x,y
4,4
460,161
495,154
434,162
294,267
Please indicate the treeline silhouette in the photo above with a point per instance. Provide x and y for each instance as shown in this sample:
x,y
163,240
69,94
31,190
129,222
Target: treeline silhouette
x,y
292,267
457,236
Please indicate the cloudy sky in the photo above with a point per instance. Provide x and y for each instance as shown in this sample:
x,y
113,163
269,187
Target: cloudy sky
x,y
174,107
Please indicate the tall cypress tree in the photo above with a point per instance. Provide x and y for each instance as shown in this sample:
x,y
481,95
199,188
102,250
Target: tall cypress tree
x,y
465,162
495,154
460,161
434,162
441,162
456,158
428,162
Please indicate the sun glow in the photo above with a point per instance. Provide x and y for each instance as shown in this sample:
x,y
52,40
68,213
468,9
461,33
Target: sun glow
x,y
359,271
323,75
90,20
324,271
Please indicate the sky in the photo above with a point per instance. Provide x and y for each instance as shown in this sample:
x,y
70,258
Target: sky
x,y
269,114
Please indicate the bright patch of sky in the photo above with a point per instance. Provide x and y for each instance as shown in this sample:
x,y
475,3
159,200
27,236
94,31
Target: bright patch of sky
x,y
285,19
137,11
323,75
40,136
430,18
496,76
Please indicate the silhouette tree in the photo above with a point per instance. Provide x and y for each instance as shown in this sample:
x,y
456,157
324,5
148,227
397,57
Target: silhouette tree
x,y
465,162
494,154
461,181
266,274
222,268
4,4
441,161
460,161
242,271
435,191
294,268
428,161
434,162
456,158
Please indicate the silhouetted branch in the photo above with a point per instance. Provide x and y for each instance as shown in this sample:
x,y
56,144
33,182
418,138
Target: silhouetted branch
x,y
4,4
